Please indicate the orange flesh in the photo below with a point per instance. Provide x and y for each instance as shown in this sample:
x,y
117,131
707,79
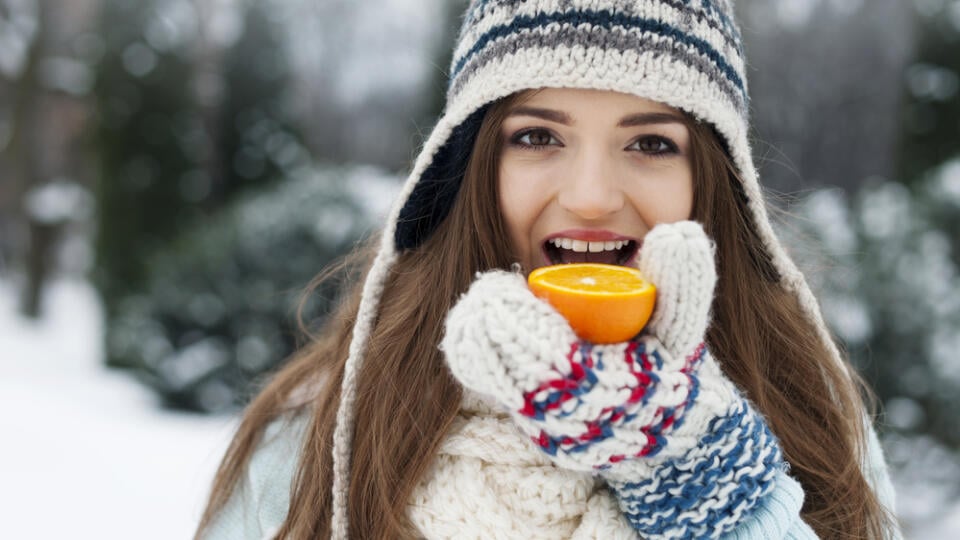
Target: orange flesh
x,y
603,303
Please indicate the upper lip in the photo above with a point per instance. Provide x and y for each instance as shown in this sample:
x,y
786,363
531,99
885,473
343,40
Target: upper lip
x,y
589,235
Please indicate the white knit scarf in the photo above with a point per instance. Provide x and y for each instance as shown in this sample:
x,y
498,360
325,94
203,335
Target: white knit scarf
x,y
488,481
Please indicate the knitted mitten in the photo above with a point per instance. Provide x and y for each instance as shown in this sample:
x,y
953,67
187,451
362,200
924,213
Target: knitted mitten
x,y
684,452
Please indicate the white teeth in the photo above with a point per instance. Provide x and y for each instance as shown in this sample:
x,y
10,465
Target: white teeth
x,y
582,246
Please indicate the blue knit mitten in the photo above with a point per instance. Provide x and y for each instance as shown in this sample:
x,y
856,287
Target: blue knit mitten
x,y
684,452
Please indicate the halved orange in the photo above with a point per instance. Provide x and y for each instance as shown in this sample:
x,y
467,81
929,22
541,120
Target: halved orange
x,y
603,303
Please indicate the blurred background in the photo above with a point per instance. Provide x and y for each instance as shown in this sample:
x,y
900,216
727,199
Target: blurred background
x,y
174,172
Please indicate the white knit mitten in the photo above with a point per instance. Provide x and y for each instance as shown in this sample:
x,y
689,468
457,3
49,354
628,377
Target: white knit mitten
x,y
685,453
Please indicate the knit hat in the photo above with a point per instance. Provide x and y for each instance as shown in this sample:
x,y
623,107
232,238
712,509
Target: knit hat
x,y
684,53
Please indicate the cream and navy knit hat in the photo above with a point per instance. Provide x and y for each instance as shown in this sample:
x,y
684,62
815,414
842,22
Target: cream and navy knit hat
x,y
685,53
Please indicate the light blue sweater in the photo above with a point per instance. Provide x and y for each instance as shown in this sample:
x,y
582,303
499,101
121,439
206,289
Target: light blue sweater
x,y
260,502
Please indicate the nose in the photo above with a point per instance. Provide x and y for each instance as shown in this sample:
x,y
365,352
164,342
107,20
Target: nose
x,y
590,188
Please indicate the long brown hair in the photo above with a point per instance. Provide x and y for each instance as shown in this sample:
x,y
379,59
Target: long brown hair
x,y
406,399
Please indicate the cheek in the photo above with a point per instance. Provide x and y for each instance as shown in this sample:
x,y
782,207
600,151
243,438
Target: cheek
x,y
666,201
523,192
513,201
684,201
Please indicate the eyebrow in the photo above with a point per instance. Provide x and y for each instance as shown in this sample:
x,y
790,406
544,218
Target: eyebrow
x,y
551,115
633,120
647,118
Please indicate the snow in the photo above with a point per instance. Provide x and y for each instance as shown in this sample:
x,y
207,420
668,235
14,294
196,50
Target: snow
x,y
795,13
18,27
58,202
927,480
932,83
373,48
86,452
139,59
946,186
67,75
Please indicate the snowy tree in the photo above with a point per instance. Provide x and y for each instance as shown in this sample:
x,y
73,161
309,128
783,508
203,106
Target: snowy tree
x,y
187,121
150,139
44,84
217,310
885,259
824,76
929,115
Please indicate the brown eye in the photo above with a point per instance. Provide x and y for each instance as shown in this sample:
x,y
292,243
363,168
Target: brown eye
x,y
539,138
654,145
535,138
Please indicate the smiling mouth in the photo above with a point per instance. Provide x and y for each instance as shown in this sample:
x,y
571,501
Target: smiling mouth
x,y
568,250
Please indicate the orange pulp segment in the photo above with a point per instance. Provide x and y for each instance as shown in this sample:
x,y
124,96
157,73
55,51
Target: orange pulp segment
x,y
603,303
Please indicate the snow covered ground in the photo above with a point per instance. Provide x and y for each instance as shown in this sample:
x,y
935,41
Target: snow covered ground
x,y
86,452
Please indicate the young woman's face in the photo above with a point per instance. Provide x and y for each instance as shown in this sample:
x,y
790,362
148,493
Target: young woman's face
x,y
585,174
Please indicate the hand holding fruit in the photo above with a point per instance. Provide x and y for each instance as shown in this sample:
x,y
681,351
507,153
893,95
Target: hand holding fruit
x,y
647,413
504,342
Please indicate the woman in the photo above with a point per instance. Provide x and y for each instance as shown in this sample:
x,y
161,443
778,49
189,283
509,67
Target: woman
x,y
569,123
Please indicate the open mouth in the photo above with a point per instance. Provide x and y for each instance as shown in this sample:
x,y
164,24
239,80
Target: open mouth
x,y
568,250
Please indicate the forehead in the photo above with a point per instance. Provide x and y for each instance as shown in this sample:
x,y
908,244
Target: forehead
x,y
598,108
574,99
